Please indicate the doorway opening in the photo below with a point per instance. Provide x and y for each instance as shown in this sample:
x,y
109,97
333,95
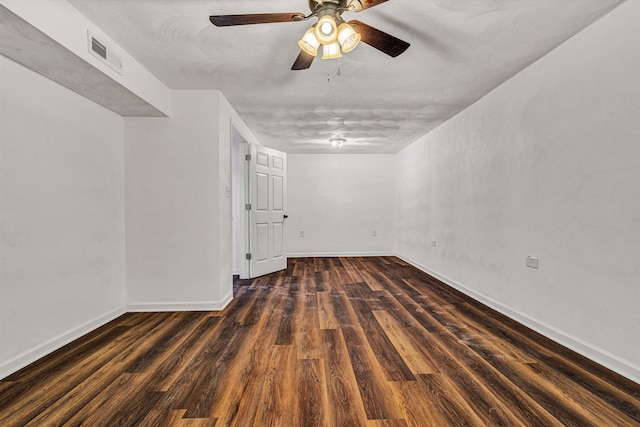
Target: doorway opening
x,y
258,199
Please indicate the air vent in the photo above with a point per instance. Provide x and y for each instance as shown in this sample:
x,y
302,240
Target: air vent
x,y
104,53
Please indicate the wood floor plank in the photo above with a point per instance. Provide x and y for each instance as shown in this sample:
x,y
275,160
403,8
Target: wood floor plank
x,y
239,394
162,417
313,404
449,404
102,407
277,406
365,276
188,389
41,393
290,311
387,423
309,267
307,333
484,388
621,394
177,361
514,372
416,408
374,390
360,327
345,406
196,422
321,264
326,315
414,355
363,341
203,391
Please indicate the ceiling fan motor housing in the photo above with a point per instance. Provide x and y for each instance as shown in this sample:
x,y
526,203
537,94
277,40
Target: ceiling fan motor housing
x,y
315,5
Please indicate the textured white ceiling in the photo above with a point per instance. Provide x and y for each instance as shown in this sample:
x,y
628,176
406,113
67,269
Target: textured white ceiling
x,y
460,50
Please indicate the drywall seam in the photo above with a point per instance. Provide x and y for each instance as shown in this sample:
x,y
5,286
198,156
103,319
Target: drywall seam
x,y
30,356
617,364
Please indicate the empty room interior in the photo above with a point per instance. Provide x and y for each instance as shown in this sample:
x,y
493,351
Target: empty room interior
x,y
320,212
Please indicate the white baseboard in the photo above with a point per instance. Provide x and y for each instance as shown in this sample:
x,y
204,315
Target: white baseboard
x,y
181,306
617,364
30,356
338,254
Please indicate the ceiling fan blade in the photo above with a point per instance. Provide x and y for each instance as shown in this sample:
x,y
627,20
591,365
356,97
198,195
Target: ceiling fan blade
x,y
303,61
358,5
382,41
256,18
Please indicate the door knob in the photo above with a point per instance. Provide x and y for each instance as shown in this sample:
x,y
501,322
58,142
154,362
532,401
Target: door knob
x,y
285,216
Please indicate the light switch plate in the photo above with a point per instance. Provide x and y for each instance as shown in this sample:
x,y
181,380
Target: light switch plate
x,y
532,262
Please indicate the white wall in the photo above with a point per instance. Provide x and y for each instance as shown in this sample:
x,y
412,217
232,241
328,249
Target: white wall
x,y
178,210
62,216
172,205
546,165
338,200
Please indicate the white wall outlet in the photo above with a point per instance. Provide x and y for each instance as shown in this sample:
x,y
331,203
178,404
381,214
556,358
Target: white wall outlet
x,y
374,233
433,243
302,234
532,262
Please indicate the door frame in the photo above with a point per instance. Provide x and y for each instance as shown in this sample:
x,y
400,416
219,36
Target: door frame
x,y
240,225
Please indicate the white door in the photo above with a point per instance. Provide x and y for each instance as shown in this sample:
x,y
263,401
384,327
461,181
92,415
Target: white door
x,y
267,193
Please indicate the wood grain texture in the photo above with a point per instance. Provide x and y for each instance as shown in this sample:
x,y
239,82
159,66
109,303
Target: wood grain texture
x,y
326,342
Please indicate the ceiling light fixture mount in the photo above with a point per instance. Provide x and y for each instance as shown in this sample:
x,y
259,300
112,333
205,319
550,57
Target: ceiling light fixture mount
x,y
337,142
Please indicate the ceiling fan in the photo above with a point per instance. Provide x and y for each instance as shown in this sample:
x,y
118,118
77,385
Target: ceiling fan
x,y
334,34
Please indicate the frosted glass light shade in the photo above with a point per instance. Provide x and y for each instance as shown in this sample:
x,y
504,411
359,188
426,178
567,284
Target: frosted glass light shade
x,y
309,43
348,37
326,31
331,51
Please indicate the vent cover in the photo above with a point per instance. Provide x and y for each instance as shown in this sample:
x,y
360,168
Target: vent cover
x,y
100,50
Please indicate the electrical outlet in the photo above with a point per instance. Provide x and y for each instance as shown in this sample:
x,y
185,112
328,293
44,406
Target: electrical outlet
x,y
374,233
532,262
433,243
302,234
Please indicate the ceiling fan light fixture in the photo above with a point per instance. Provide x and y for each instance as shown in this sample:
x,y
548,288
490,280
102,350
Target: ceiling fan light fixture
x,y
331,51
347,37
309,43
326,31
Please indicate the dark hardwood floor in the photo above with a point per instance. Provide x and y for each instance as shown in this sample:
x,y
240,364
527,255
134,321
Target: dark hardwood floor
x,y
329,341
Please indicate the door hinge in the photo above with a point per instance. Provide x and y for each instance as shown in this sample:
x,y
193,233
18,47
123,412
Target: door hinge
x,y
247,157
248,256
248,206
